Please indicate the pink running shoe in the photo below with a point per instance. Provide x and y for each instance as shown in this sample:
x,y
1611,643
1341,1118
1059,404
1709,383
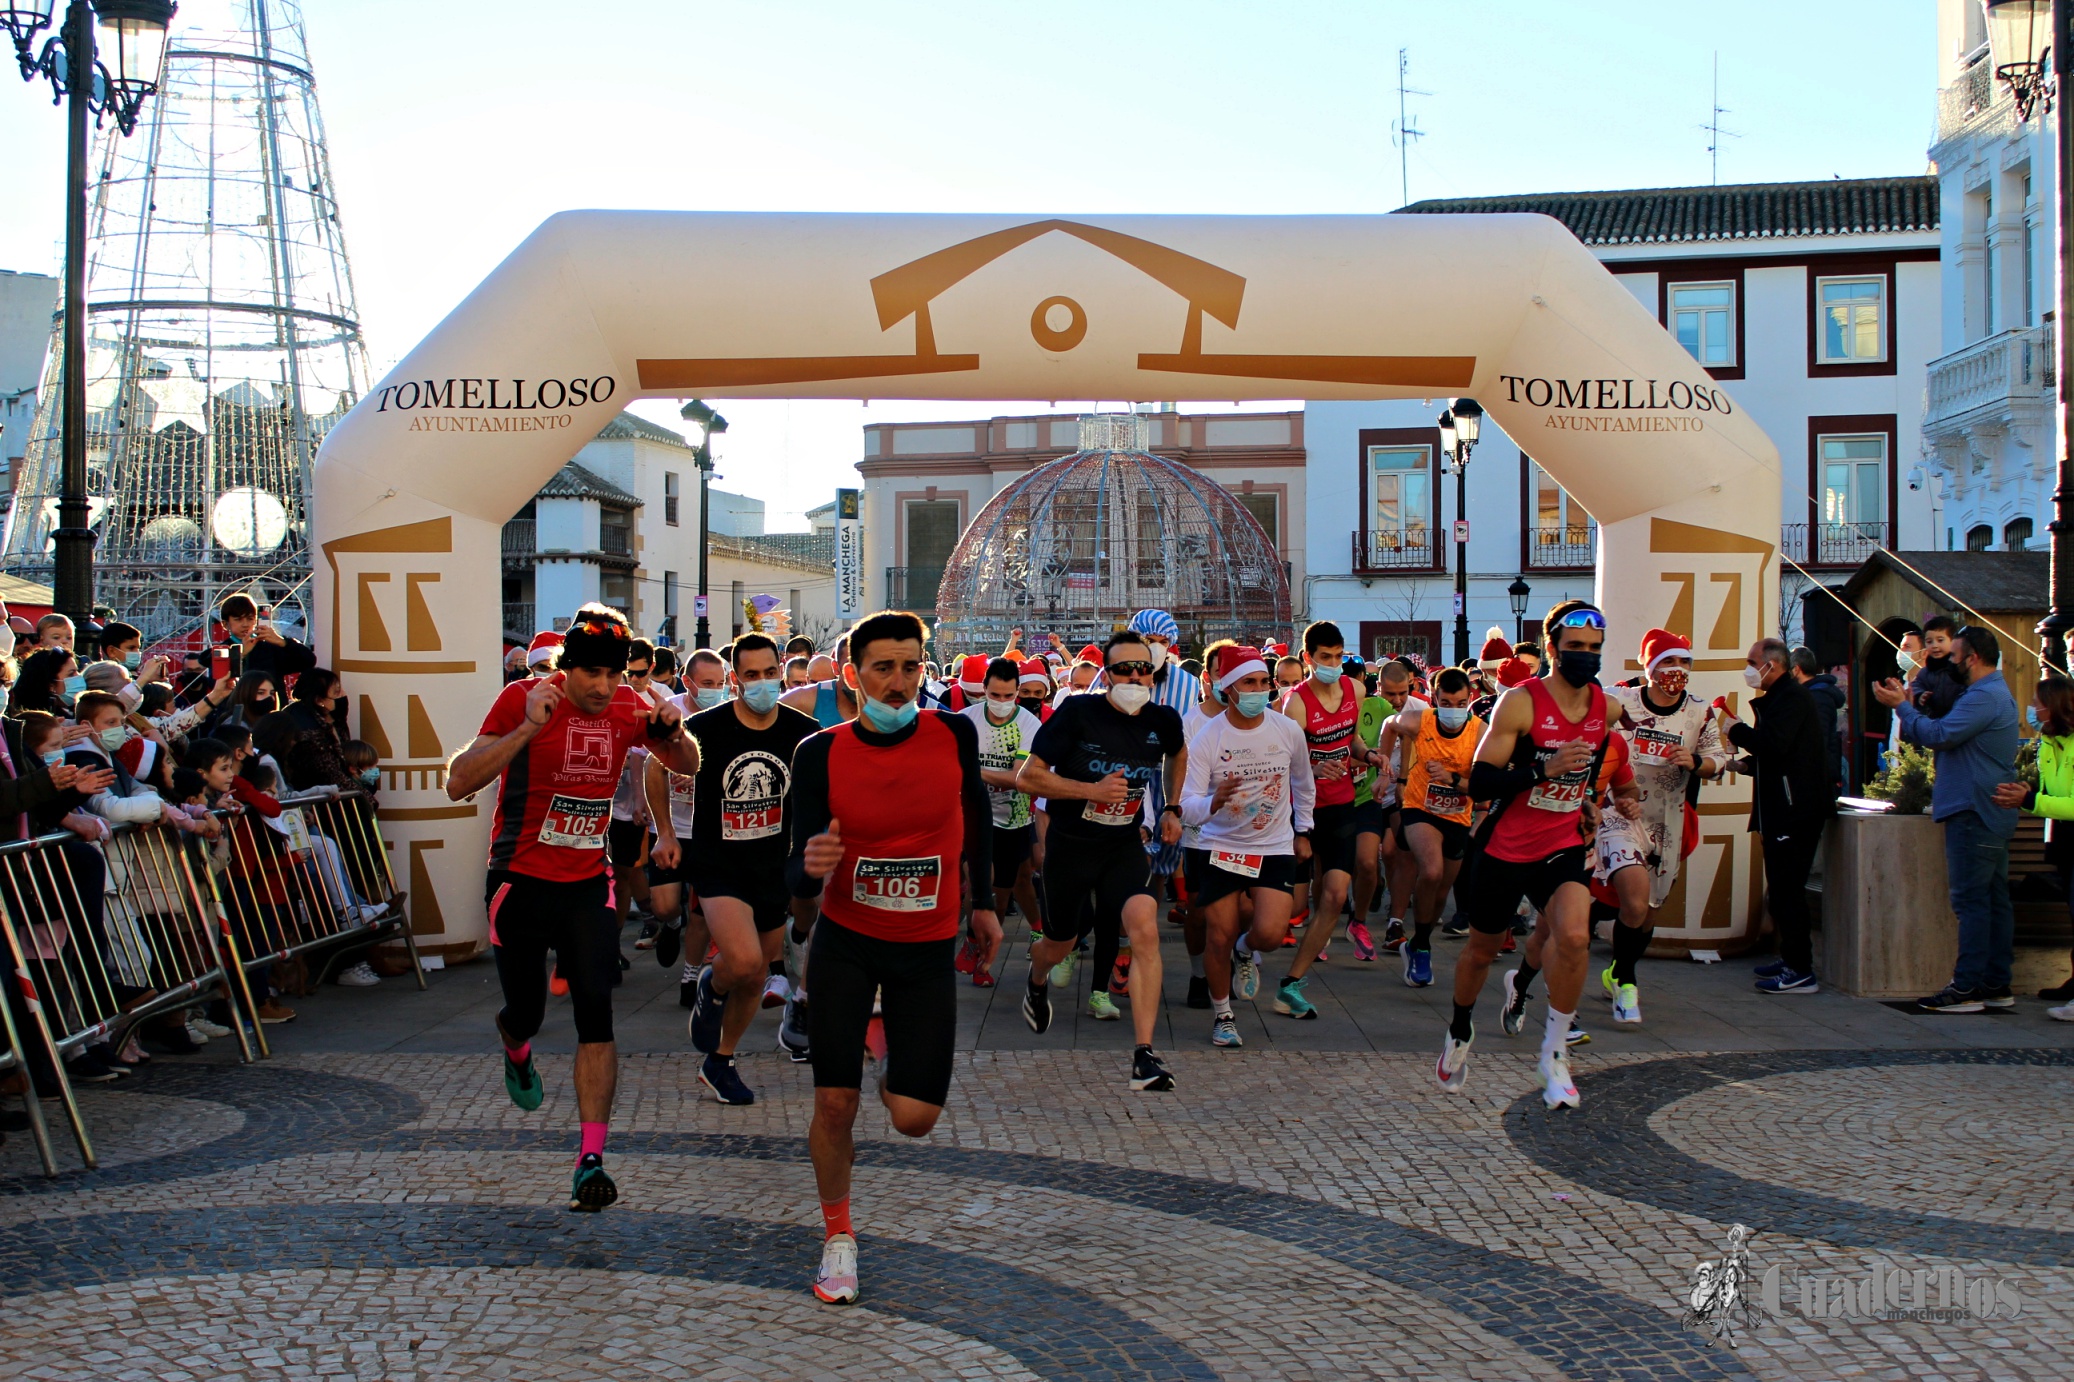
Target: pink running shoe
x,y
1364,944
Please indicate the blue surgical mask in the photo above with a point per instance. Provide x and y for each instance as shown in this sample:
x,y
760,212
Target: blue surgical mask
x,y
1252,703
53,757
1326,675
762,696
133,659
711,696
371,777
886,718
2031,717
1452,717
75,686
113,738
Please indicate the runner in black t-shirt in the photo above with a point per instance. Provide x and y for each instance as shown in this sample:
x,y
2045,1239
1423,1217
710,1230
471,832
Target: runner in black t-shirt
x,y
736,862
1092,762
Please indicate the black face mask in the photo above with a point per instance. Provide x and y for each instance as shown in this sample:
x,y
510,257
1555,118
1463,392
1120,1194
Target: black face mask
x,y
1578,668
1031,703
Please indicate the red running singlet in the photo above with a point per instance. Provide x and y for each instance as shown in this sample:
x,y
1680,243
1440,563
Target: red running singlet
x,y
1330,734
903,827
1543,820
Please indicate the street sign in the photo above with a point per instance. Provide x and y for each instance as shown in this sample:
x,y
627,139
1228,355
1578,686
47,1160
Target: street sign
x,y
698,606
1461,530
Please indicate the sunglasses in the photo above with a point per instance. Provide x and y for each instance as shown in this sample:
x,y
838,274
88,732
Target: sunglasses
x,y
1131,669
1582,619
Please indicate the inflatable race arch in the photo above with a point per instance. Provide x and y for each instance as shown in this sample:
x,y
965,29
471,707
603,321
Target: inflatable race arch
x,y
597,308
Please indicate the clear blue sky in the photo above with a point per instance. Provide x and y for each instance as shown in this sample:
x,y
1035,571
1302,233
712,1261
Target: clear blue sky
x,y
456,127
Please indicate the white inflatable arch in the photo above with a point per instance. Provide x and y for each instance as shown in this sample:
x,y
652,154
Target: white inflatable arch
x,y
597,309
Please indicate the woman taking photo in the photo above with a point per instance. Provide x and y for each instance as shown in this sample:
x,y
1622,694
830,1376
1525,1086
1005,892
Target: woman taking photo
x,y
2051,713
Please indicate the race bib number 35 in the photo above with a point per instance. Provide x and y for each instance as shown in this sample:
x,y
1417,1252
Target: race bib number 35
x,y
897,885
575,822
1123,812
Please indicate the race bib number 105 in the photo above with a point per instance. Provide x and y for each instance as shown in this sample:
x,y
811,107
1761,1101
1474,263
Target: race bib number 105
x,y
897,885
575,822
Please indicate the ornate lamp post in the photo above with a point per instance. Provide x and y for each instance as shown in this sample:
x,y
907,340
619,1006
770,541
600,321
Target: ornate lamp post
x,y
709,423
133,33
1518,592
2024,36
1459,426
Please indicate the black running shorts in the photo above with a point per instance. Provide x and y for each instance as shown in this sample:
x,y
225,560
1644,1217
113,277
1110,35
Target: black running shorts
x,y
767,897
531,916
1332,838
1077,872
660,877
1454,836
623,840
1011,852
1209,882
1372,818
918,995
1491,897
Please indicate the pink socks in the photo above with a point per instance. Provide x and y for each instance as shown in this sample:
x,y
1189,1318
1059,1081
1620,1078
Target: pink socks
x,y
593,1139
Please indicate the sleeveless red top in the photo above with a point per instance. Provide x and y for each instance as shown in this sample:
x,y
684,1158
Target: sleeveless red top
x,y
1330,735
903,833
1544,819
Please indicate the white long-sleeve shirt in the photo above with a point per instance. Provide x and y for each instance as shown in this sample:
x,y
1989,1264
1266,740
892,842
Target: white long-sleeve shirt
x,y
1273,764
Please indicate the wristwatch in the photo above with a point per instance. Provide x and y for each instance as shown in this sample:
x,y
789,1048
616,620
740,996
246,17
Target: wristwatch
x,y
1170,806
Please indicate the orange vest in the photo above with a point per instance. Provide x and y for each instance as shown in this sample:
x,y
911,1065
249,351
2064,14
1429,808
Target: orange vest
x,y
1452,753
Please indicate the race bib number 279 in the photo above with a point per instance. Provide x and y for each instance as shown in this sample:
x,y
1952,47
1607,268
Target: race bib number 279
x,y
897,885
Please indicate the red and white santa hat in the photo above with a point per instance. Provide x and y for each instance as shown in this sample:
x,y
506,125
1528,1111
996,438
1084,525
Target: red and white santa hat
x,y
1659,644
1233,661
1514,671
1032,671
1278,649
1495,649
972,674
542,648
1091,655
138,756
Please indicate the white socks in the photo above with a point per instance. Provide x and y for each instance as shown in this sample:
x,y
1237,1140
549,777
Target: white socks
x,y
1221,1007
1555,1038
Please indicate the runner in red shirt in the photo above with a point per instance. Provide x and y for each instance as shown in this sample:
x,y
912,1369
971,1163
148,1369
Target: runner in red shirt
x,y
555,747
891,828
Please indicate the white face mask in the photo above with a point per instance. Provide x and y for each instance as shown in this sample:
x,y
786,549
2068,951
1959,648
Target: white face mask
x,y
1753,676
1159,655
1129,698
1001,712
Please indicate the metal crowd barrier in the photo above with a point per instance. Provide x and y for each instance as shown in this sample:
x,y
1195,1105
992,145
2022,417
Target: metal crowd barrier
x,y
102,937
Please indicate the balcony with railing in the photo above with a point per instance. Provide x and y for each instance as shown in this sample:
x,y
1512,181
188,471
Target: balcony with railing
x,y
1832,544
1395,549
1559,547
1991,376
518,620
615,541
913,588
1974,101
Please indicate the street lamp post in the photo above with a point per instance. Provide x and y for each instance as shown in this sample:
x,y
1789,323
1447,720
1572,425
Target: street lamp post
x,y
71,61
709,423
1459,426
1518,592
2022,36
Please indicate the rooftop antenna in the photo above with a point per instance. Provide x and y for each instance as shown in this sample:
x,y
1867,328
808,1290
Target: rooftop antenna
x,y
1713,126
1404,130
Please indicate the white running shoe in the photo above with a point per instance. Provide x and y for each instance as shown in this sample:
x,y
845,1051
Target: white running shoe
x,y
201,1023
1627,1006
776,990
360,976
2063,1013
1245,975
1453,1068
1513,1015
836,1279
1558,1090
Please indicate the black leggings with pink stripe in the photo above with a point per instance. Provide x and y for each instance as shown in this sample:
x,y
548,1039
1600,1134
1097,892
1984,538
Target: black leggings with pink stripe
x,y
531,916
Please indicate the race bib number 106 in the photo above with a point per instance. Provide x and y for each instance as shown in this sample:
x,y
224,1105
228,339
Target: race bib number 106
x,y
897,885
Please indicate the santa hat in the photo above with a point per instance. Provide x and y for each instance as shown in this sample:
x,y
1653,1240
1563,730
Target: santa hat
x,y
972,674
1234,661
542,648
1495,649
1090,654
138,756
1032,671
1278,649
1515,671
1659,644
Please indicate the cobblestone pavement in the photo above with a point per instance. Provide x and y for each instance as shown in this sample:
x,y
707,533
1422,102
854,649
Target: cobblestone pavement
x,y
368,1204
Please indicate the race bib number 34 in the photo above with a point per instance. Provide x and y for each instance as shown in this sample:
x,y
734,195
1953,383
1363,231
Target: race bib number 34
x,y
575,822
897,885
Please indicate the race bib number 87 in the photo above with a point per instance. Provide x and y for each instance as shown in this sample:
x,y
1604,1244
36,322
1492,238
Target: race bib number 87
x,y
897,885
575,822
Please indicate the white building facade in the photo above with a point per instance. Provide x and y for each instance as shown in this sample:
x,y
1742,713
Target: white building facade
x,y
1988,418
1818,307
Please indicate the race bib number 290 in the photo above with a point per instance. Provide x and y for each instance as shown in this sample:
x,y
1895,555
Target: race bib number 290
x,y
575,822
897,885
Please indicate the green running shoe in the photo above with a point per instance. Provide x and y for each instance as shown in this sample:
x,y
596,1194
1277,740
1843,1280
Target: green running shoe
x,y
1612,989
1102,1008
1290,1002
1062,972
522,1082
592,1189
